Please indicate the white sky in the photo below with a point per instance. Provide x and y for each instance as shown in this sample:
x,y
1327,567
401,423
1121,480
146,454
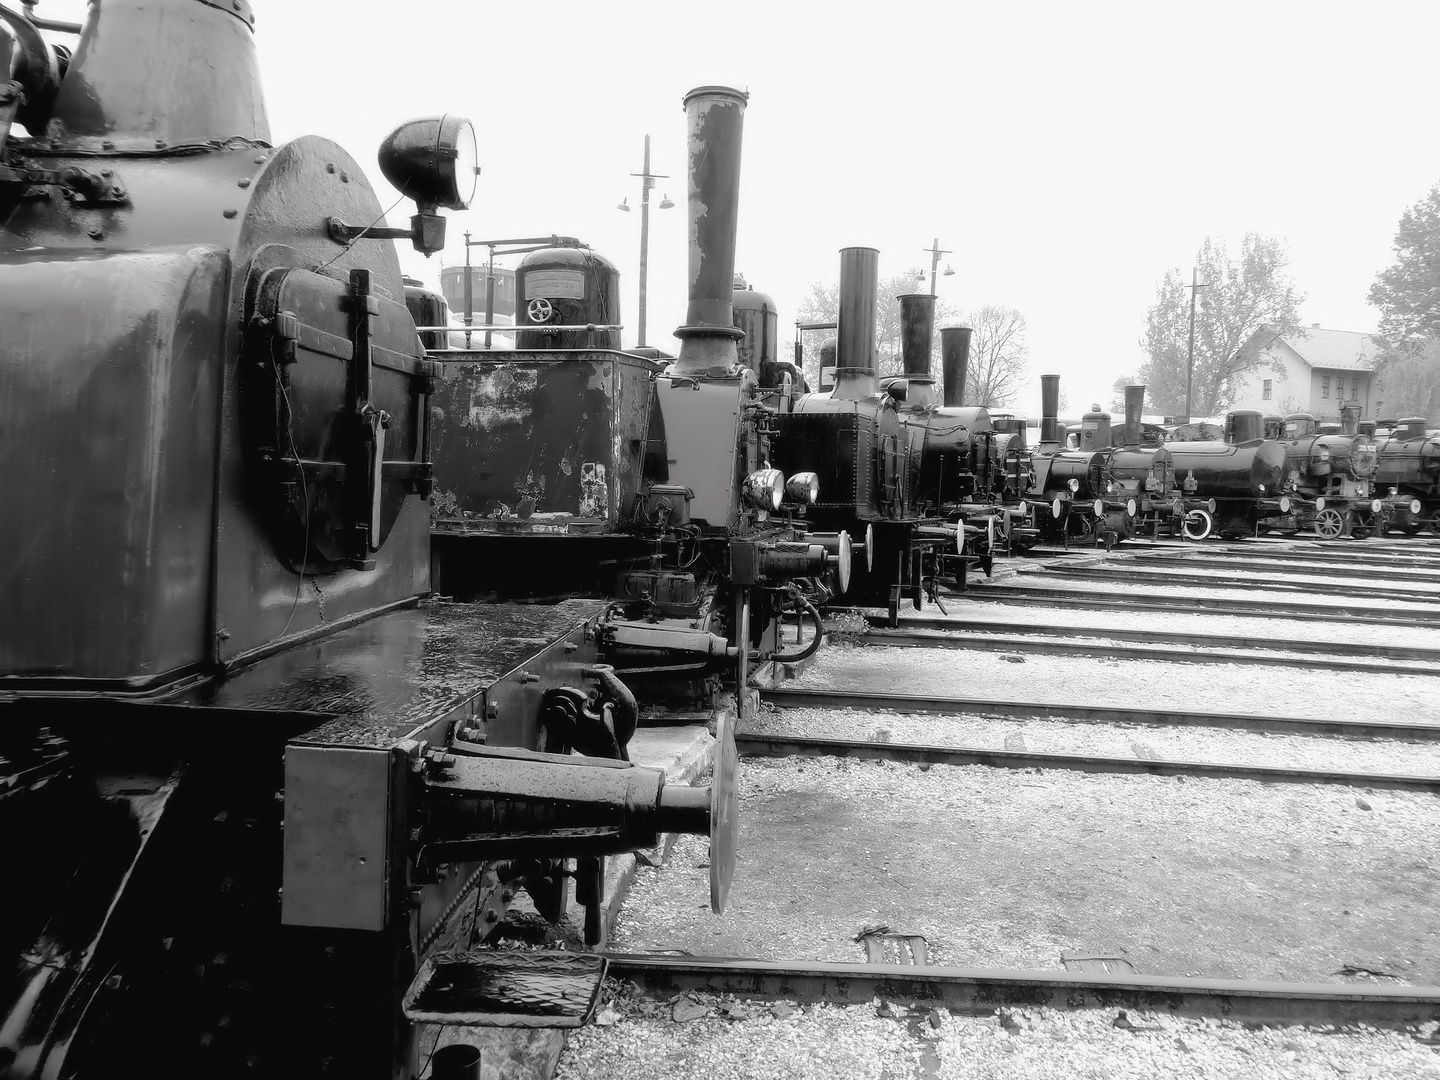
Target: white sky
x,y
1067,153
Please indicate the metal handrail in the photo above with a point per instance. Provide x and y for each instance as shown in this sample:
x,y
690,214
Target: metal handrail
x,y
542,329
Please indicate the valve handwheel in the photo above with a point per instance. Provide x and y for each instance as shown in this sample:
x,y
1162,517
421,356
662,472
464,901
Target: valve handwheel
x,y
540,310
724,811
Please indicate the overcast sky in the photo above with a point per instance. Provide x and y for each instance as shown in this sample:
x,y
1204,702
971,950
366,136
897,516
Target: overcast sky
x,y
1066,153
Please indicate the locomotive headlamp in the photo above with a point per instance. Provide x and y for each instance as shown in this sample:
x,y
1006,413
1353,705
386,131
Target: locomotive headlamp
x,y
1110,488
1394,492
1375,505
803,488
1074,485
433,161
1262,489
1324,453
1414,506
765,489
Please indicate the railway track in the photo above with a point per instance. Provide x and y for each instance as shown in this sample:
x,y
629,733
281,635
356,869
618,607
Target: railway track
x,y
982,990
1359,570
1129,576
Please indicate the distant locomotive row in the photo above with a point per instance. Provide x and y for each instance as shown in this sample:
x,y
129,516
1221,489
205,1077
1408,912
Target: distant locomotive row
x,y
1234,831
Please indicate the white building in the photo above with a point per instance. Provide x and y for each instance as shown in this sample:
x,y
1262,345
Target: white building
x,y
1312,370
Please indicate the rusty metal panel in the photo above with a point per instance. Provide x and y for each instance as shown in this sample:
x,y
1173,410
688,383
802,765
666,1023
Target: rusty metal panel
x,y
107,408
702,430
337,812
553,440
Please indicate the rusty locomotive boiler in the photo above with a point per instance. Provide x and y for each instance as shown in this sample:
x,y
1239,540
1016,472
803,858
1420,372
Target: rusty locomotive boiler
x,y
270,795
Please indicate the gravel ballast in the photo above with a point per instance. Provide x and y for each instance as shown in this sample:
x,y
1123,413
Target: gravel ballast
x,y
1013,868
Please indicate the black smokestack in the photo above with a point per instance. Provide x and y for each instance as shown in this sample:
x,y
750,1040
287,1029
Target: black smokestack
x,y
955,362
1049,409
1134,408
917,328
715,116
202,83
855,335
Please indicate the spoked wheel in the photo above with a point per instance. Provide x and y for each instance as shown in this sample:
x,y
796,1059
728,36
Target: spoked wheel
x,y
1330,523
1433,521
1079,526
1365,525
1198,524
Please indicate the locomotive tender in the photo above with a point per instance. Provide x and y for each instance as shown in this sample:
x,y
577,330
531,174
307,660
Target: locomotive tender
x,y
269,792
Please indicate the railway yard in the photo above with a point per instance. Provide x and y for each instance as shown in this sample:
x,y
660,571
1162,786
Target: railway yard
x,y
1163,811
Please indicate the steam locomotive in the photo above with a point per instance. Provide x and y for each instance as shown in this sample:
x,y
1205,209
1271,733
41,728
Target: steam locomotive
x,y
1230,487
267,791
1330,480
1408,471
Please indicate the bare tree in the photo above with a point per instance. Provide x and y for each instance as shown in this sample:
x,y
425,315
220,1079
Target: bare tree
x,y
999,356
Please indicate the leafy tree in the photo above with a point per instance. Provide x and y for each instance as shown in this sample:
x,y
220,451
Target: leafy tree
x,y
823,305
1407,371
999,357
1244,295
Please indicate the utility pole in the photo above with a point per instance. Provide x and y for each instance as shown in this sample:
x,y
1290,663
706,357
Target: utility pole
x,y
1195,287
647,181
936,251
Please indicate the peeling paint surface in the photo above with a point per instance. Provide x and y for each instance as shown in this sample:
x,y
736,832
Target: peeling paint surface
x,y
594,492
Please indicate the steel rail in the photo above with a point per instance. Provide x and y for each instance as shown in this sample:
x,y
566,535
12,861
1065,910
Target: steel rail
x,y
754,744
1107,573
999,643
979,991
1361,568
1335,648
941,705
1265,609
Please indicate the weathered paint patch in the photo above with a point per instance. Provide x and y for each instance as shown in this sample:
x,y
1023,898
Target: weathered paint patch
x,y
594,490
500,397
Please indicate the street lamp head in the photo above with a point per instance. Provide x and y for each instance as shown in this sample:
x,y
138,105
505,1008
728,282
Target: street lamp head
x,y
948,272
665,203
623,204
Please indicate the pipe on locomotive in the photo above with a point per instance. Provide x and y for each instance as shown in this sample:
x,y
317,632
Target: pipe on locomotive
x,y
1050,409
1134,408
855,337
917,333
715,117
955,363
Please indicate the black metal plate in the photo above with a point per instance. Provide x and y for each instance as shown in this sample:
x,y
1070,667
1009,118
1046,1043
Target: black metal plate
x,y
724,812
506,989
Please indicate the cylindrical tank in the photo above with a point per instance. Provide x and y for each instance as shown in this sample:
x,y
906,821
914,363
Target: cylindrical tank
x,y
1227,470
1366,428
202,84
1135,465
715,116
757,319
1244,425
955,362
567,286
1410,427
1086,468
917,325
855,335
1095,430
427,308
1049,409
1134,408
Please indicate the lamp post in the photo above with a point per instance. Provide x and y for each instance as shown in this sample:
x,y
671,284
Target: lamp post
x,y
936,251
647,181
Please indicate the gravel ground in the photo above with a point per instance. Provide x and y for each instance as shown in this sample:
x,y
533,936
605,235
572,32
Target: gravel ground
x,y
1148,683
1180,592
1187,622
1058,736
743,1039
1012,869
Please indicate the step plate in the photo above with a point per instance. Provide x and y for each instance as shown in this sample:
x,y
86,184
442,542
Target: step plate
x,y
506,989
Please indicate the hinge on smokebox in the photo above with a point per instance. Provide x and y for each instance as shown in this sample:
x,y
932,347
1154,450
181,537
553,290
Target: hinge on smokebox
x,y
506,989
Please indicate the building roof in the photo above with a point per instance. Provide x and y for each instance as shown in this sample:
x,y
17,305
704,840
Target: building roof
x,y
1346,350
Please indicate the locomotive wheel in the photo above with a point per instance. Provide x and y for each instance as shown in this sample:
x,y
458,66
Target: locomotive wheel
x,y
1198,525
1412,528
1434,521
1330,523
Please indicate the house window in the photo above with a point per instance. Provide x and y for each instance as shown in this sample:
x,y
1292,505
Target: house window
x,y
1355,388
1324,386
1265,390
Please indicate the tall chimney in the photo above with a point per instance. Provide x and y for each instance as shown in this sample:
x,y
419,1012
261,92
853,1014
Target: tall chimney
x,y
1134,407
715,116
1049,409
955,362
917,328
148,74
855,335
